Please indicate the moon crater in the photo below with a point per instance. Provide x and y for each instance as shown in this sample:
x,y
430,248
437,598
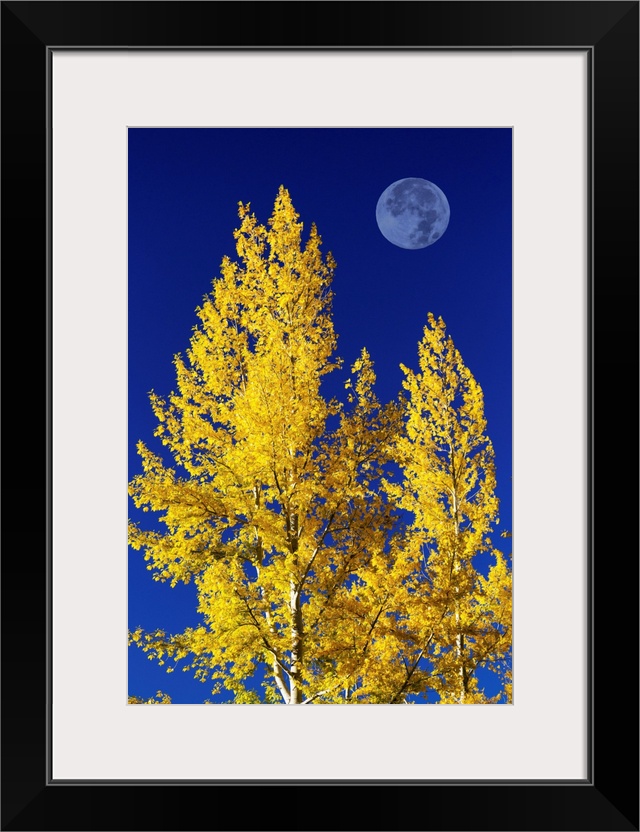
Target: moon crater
x,y
412,213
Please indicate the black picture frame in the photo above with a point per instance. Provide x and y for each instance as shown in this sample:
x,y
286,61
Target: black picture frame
x,y
608,798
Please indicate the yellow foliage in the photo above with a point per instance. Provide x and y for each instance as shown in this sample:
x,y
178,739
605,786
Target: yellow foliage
x,y
159,699
281,506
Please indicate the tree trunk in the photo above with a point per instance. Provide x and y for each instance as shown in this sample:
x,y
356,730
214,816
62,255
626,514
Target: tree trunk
x,y
464,681
295,697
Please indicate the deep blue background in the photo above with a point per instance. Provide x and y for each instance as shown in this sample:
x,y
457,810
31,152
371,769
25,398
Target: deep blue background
x,y
184,187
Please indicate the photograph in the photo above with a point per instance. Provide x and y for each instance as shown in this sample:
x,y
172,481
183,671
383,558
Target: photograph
x,y
320,415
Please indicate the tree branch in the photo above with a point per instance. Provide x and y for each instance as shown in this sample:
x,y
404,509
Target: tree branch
x,y
315,553
375,621
321,693
265,642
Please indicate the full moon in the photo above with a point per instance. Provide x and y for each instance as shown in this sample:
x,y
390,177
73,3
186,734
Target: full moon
x,y
412,213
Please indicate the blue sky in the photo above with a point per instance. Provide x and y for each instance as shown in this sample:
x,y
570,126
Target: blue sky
x,y
184,188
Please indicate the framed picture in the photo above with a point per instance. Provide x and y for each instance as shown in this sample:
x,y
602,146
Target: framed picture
x,y
562,80
381,229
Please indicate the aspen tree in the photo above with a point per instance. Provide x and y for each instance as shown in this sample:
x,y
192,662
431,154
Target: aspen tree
x,y
267,510
461,620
